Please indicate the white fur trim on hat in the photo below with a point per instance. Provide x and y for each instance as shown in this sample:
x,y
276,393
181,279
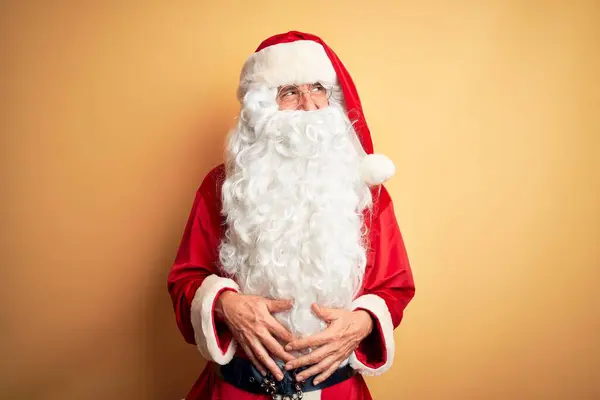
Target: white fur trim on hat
x,y
302,61
203,319
377,307
375,169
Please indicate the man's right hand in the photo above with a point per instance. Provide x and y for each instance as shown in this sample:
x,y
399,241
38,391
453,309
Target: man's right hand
x,y
252,325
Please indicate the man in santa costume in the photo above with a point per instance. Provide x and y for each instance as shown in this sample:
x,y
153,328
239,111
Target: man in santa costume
x,y
292,273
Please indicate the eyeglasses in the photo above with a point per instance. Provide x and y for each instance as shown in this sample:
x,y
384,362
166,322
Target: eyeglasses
x,y
288,97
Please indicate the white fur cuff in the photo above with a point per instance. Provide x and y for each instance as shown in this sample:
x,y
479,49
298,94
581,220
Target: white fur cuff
x,y
377,307
203,319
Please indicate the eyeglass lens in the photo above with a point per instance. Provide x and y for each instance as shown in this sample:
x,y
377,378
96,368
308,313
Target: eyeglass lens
x,y
289,95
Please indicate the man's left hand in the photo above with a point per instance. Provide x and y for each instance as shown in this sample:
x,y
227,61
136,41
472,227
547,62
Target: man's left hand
x,y
335,344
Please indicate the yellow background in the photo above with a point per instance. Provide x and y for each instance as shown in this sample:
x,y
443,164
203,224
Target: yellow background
x,y
114,111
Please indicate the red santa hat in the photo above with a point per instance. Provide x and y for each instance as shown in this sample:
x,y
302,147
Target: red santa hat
x,y
298,58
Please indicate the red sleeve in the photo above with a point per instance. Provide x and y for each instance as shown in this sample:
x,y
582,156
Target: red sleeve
x,y
388,287
195,280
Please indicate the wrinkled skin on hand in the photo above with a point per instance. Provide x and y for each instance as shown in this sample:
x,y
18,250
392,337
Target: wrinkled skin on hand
x,y
255,329
345,331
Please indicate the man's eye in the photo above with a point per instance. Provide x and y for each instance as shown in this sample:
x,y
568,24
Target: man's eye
x,y
288,92
317,87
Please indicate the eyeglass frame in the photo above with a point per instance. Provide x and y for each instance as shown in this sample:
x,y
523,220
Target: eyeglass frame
x,y
328,90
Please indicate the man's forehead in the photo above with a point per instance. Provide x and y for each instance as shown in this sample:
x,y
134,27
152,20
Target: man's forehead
x,y
301,85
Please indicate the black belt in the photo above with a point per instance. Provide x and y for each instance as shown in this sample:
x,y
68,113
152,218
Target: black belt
x,y
242,374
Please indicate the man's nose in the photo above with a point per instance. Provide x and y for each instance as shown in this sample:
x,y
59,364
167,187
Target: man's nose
x,y
306,102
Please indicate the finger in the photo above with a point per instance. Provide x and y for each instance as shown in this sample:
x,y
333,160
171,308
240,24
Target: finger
x,y
312,358
278,330
264,358
318,339
327,373
323,365
326,314
275,306
252,358
274,346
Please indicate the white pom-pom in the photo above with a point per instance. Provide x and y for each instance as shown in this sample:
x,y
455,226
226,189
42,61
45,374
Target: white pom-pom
x,y
375,169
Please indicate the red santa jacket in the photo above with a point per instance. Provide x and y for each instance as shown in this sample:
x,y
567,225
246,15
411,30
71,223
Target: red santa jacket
x,y
195,280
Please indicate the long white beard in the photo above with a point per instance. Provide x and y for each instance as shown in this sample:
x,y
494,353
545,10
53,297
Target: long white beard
x,y
293,201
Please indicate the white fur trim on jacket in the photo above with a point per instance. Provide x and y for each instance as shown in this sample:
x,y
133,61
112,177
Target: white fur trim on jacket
x,y
302,61
376,306
203,319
